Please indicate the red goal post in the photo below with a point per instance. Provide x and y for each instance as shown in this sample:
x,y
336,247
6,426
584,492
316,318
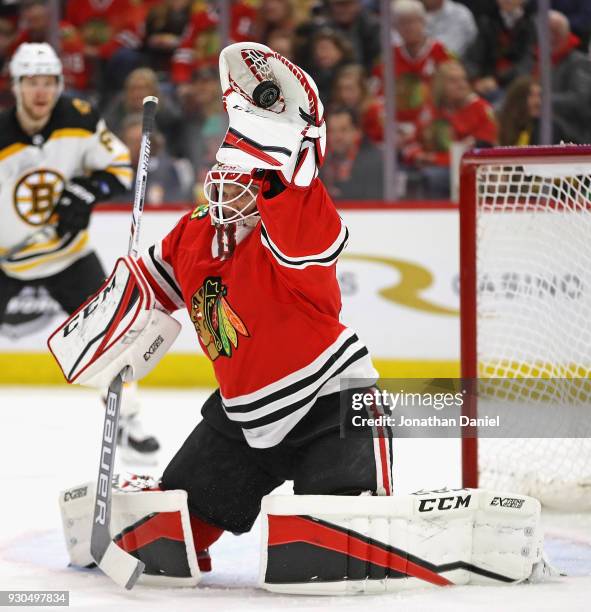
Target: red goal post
x,y
525,279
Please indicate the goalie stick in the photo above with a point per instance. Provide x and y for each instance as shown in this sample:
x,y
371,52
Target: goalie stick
x,y
119,565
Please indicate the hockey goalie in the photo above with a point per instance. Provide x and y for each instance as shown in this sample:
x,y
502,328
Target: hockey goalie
x,y
255,268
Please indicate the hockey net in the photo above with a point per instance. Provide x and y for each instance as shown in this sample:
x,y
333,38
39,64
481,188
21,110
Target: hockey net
x,y
526,317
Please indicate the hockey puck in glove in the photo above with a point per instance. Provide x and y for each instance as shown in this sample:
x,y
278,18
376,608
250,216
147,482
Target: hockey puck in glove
x,y
265,94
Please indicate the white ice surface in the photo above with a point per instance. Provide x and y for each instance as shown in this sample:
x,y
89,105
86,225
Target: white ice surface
x,y
49,440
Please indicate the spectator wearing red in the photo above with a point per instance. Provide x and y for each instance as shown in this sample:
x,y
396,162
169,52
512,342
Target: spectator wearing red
x,y
456,115
503,49
35,27
416,59
112,31
200,45
108,25
353,168
165,25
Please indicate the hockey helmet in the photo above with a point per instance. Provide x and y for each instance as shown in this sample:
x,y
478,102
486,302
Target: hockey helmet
x,y
32,59
231,192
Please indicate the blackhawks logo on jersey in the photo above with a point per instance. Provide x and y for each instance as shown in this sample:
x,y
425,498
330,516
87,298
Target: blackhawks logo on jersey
x,y
200,212
216,323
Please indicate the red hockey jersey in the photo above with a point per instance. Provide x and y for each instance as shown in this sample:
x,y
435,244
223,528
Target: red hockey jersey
x,y
109,24
440,127
267,317
414,76
200,45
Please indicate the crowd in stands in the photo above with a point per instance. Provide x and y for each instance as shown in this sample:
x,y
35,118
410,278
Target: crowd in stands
x,y
466,74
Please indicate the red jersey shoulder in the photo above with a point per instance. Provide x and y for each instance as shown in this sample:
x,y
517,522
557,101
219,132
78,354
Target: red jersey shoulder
x,y
171,243
191,227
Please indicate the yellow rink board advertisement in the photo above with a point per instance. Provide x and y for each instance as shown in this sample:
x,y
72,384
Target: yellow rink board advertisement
x,y
399,282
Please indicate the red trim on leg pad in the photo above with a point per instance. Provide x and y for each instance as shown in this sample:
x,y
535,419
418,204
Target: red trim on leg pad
x,y
296,542
158,540
153,527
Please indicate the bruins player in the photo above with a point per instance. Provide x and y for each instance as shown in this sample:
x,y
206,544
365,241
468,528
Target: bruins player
x,y
57,160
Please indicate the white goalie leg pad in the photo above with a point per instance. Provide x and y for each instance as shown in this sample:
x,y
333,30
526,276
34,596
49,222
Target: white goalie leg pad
x,y
116,328
152,525
330,545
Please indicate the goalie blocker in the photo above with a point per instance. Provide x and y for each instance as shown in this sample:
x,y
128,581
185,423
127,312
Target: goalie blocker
x,y
117,327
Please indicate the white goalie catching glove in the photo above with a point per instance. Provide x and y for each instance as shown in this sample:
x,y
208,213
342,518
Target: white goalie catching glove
x,y
276,117
116,328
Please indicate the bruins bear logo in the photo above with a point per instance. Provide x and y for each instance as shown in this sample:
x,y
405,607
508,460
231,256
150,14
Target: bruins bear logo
x,y
216,323
36,194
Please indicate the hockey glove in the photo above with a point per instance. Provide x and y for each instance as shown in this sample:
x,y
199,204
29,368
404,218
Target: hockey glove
x,y
75,205
276,119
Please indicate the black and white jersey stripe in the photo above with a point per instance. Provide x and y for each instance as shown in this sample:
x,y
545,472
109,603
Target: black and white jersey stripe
x,y
268,414
163,274
326,258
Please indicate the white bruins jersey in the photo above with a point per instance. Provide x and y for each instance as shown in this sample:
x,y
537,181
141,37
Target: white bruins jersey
x,y
33,172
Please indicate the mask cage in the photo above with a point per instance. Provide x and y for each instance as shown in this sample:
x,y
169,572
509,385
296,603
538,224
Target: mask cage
x,y
221,208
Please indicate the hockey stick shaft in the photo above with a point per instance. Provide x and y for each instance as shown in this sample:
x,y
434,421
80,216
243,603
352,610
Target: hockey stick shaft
x,y
119,565
150,105
45,233
123,568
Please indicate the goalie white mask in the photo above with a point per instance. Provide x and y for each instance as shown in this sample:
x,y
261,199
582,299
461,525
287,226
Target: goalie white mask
x,y
231,193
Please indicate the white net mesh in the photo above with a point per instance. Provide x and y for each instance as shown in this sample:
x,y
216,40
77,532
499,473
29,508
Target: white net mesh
x,y
533,240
